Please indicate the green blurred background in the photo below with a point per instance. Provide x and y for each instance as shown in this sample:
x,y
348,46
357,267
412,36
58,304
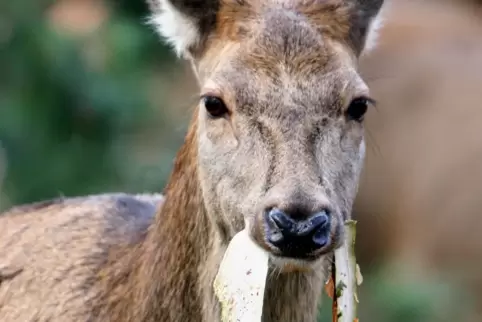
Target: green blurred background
x,y
92,101
82,101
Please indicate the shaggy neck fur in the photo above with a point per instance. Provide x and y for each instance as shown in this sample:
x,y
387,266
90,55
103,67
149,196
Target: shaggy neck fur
x,y
168,275
158,278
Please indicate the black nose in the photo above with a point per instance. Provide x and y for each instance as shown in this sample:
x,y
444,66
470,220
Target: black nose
x,y
297,238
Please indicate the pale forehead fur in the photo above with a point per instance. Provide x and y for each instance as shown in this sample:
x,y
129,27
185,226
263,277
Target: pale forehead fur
x,y
283,60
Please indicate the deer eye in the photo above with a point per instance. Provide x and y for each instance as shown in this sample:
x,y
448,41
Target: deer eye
x,y
357,109
215,106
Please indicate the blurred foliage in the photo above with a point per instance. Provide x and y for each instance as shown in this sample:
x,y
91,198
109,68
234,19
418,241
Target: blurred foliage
x,y
64,117
393,295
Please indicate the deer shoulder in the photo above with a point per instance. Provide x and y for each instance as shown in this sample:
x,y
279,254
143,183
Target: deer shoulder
x,y
50,250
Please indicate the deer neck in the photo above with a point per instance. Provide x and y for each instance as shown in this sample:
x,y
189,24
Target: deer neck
x,y
169,269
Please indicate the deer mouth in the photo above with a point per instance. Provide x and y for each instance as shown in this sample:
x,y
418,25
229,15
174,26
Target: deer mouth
x,y
302,251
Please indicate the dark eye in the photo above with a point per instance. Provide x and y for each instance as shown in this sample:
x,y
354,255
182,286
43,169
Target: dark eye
x,y
215,106
357,108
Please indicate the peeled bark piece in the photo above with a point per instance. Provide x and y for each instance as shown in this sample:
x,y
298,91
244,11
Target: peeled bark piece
x,y
241,280
347,277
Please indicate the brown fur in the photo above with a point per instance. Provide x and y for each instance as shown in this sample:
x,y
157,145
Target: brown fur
x,y
287,143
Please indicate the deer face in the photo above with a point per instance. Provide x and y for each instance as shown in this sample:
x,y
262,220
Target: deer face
x,y
280,119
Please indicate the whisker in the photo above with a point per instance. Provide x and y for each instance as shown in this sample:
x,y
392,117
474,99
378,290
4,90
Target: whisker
x,y
373,143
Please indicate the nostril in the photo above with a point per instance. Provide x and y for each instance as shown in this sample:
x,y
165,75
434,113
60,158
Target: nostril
x,y
320,238
322,230
313,223
281,220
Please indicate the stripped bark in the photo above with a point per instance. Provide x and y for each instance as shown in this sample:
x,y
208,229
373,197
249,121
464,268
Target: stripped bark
x,y
345,278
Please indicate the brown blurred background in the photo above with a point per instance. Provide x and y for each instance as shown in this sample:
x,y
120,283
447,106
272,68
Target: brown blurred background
x,y
91,101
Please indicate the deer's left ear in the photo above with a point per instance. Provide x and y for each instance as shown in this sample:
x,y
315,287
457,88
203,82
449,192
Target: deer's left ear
x,y
185,24
365,20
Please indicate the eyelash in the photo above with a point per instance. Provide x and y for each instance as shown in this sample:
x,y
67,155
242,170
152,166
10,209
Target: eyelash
x,y
215,106
358,108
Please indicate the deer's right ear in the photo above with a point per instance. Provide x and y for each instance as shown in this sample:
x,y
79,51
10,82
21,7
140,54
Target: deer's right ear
x,y
185,24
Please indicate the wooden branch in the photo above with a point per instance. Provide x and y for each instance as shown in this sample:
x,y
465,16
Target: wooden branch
x,y
345,277
241,280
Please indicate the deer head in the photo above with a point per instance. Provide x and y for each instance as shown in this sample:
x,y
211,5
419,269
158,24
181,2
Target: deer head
x,y
280,142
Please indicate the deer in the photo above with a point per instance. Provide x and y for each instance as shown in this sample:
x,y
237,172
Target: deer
x,y
275,146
